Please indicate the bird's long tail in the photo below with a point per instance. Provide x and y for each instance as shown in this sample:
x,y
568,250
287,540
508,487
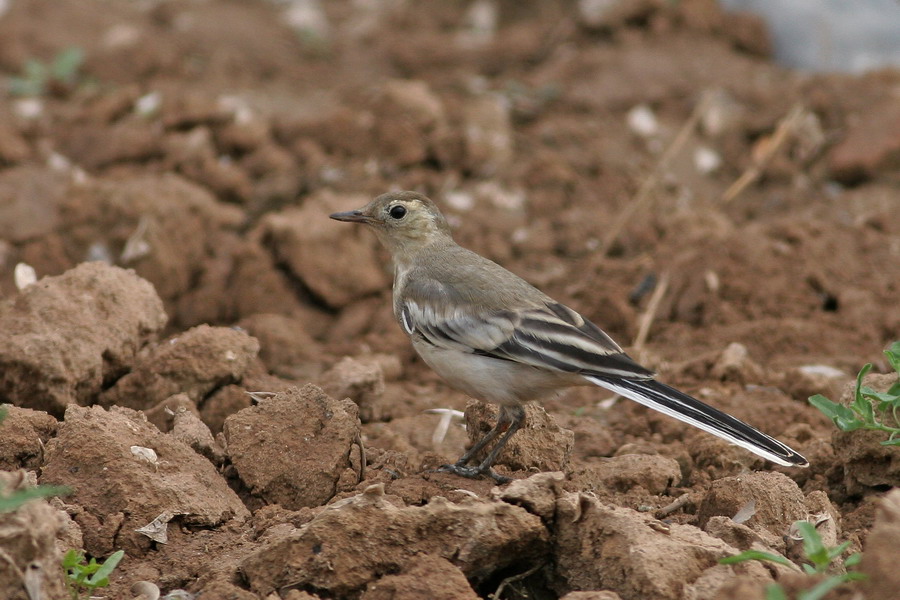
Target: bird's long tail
x,y
669,401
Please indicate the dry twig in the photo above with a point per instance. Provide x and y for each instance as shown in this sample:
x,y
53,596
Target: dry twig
x,y
679,502
649,315
362,456
513,579
642,198
786,129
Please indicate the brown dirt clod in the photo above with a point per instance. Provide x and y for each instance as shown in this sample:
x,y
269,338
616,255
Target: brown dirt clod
x,y
63,337
884,577
102,455
352,541
293,448
773,500
864,461
297,236
28,553
360,380
608,547
23,433
540,444
621,473
425,576
195,363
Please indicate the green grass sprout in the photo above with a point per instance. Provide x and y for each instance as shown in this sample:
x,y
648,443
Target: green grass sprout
x,y
85,577
19,497
870,409
39,78
821,559
756,555
12,501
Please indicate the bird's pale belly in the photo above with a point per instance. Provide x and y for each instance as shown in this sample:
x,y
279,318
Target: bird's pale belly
x,y
491,379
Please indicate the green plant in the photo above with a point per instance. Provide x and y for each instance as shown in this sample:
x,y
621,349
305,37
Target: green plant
x,y
820,557
17,498
85,577
38,78
869,409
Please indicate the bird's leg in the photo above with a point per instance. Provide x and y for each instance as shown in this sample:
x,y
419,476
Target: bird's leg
x,y
510,421
503,423
515,416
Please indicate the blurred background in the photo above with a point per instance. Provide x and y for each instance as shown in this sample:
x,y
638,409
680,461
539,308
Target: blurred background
x,y
830,35
201,141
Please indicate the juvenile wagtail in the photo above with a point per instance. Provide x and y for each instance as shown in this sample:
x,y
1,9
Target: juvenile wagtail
x,y
492,335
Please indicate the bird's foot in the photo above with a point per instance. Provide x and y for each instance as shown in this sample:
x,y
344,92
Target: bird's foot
x,y
473,472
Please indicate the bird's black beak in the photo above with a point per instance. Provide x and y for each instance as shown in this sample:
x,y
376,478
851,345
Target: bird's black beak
x,y
351,216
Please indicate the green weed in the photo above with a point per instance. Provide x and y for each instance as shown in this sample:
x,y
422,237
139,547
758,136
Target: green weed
x,y
820,560
19,497
869,409
39,78
85,577
13,501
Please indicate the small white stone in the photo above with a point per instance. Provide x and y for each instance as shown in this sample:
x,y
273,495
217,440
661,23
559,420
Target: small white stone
x,y
24,275
237,107
706,160
147,455
595,12
307,16
99,252
521,235
480,24
58,162
29,108
459,200
148,104
823,370
642,120
121,35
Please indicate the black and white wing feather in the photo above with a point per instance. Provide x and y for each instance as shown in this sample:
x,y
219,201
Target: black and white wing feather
x,y
545,335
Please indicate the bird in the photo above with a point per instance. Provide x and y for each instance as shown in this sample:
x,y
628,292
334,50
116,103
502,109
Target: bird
x,y
493,336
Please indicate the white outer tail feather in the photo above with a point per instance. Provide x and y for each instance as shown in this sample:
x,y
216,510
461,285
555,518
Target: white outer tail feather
x,y
649,402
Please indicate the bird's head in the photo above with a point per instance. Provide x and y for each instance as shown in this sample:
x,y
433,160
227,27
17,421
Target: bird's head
x,y
403,221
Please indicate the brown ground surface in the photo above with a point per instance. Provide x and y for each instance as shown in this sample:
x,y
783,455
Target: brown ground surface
x,y
202,144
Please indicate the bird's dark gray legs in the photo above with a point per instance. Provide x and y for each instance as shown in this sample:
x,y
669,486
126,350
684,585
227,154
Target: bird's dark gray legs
x,y
510,421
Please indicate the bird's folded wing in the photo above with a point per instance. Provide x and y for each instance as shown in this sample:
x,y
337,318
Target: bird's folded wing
x,y
548,335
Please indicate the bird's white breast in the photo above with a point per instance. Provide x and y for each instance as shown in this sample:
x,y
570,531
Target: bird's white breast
x,y
491,379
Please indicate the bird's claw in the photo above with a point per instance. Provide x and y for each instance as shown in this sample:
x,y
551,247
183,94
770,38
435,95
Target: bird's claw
x,y
473,472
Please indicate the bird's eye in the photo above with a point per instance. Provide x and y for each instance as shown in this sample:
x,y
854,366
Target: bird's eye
x,y
398,211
